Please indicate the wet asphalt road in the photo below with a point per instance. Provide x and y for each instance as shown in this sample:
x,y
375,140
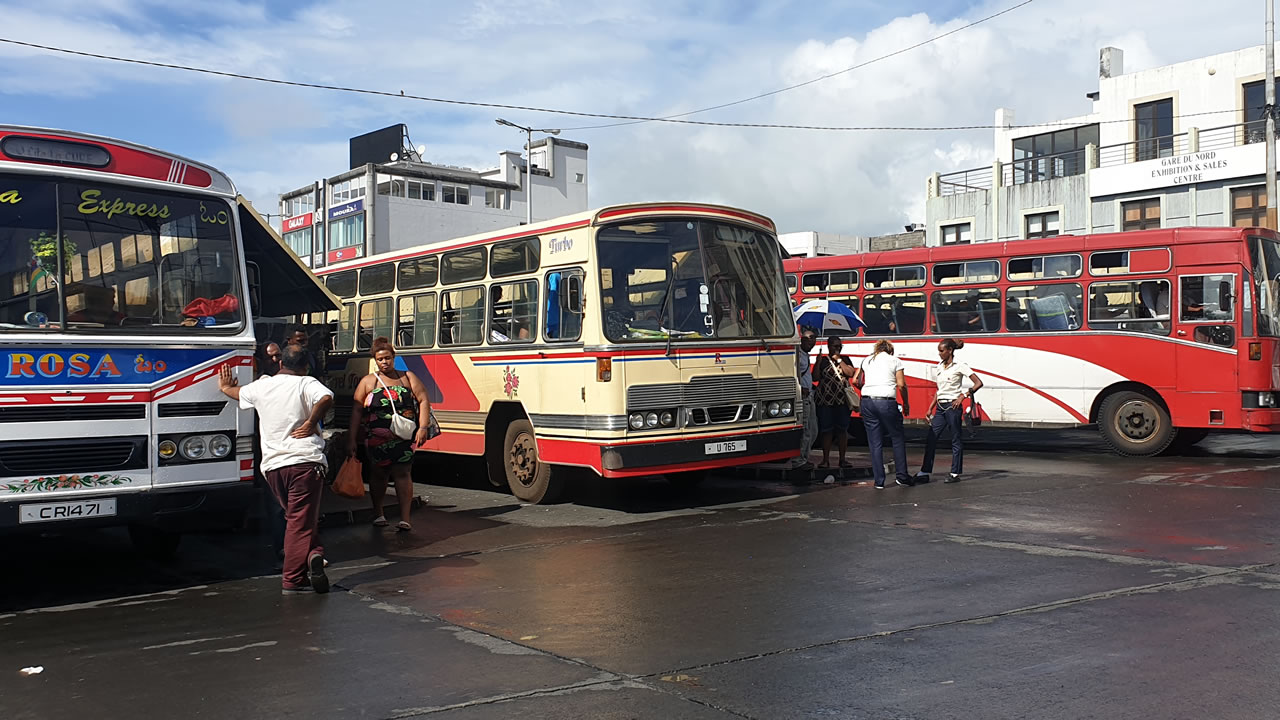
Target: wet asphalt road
x,y
1056,582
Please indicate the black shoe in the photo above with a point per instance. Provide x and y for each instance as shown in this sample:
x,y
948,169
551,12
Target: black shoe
x,y
921,478
879,486
908,482
952,478
315,569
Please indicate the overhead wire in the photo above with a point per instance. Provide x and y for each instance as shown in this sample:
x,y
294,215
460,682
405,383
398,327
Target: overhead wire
x,y
555,111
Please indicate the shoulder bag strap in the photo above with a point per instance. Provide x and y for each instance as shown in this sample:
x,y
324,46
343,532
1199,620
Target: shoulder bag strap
x,y
387,390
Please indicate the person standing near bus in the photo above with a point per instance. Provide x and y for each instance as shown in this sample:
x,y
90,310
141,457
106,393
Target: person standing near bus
x,y
388,391
290,405
809,418
833,370
946,412
883,377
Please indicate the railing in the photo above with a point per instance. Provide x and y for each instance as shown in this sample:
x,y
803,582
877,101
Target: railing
x,y
964,181
1230,136
1139,150
1043,167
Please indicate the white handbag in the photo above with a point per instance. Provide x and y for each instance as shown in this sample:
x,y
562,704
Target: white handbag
x,y
401,426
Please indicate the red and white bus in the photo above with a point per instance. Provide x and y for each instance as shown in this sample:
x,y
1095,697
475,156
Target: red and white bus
x,y
639,339
1157,336
128,277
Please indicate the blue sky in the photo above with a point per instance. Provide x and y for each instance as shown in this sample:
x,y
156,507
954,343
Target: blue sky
x,y
653,58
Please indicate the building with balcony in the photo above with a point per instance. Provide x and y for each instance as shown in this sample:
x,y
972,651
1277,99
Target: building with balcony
x,y
1166,147
390,199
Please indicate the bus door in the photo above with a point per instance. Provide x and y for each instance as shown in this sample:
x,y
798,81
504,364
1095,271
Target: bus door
x,y
1206,322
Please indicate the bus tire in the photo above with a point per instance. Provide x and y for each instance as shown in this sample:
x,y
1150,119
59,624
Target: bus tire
x,y
530,479
1134,424
153,542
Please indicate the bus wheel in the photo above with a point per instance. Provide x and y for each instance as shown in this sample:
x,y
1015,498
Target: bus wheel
x,y
1135,424
153,542
529,479
686,480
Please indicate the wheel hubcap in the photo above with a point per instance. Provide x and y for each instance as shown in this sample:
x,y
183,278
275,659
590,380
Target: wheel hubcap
x,y
1137,420
524,459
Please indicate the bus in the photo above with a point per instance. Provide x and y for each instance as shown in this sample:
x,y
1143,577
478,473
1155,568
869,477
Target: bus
x,y
643,339
1156,336
128,278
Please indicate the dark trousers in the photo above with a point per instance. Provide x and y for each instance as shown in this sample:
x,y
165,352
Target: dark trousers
x,y
952,418
881,415
298,487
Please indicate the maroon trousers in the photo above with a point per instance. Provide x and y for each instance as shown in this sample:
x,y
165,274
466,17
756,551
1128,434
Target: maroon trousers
x,y
298,487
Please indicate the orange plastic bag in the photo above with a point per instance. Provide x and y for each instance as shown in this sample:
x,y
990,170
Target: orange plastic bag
x,y
350,480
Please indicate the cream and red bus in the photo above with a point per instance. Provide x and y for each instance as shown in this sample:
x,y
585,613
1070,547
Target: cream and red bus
x,y
1157,336
128,277
633,340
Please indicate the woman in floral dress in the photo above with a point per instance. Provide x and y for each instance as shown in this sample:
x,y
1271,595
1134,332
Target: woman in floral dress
x,y
388,456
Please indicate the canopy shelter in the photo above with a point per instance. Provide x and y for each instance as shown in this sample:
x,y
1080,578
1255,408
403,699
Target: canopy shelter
x,y
284,286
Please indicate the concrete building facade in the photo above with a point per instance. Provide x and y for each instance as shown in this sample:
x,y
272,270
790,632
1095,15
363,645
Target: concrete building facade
x,y
379,207
1166,147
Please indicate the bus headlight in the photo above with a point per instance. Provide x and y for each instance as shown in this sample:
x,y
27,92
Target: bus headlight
x,y
667,419
786,408
167,449
636,421
651,420
194,447
219,446
774,409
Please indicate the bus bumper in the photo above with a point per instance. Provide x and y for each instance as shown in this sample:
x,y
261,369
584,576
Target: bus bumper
x,y
636,459
178,509
1261,420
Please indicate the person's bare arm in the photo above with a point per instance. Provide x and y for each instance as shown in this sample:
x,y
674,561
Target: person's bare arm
x,y
228,383
419,391
357,410
311,426
977,384
901,378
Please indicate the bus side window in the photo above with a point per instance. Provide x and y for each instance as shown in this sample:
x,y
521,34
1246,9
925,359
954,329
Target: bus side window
x,y
564,305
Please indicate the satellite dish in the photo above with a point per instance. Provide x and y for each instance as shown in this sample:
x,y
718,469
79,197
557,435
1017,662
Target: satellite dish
x,y
421,149
395,157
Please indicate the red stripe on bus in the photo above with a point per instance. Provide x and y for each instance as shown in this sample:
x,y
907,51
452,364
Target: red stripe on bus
x,y
125,161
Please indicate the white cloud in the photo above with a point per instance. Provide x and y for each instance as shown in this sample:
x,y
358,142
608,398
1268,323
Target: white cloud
x,y
662,57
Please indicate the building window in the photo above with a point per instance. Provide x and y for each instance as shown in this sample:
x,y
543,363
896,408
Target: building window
x,y
1041,225
415,190
299,205
1141,214
428,191
495,199
299,241
1052,154
1255,123
455,194
1154,125
579,177
347,232
959,234
1249,206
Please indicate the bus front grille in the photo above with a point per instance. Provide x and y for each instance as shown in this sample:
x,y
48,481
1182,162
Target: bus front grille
x,y
712,390
45,457
72,413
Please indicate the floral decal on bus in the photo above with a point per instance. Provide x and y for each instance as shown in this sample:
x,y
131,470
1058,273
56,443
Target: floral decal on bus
x,y
64,482
510,382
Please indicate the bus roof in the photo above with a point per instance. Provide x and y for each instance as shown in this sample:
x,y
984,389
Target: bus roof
x,y
22,147
599,216
1055,245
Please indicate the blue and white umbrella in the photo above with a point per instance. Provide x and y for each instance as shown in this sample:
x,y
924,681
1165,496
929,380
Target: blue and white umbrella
x,y
828,317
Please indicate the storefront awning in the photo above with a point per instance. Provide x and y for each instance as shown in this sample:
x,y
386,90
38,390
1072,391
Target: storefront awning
x,y
287,287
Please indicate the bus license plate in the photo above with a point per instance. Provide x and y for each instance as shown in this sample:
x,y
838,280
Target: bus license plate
x,y
72,510
730,446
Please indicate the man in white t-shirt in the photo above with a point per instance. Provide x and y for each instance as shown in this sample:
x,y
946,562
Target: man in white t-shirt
x,y
883,378
290,406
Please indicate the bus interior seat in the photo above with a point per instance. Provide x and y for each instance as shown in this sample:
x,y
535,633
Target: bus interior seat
x,y
1049,313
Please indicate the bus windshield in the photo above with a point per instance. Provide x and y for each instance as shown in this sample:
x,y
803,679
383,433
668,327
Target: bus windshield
x,y
1266,273
691,279
88,256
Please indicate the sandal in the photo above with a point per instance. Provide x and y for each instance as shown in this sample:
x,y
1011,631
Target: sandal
x,y
380,521
403,526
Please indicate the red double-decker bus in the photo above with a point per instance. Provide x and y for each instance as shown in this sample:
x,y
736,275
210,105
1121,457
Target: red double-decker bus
x,y
1157,336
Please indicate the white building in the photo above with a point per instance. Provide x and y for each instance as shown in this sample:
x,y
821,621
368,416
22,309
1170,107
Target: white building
x,y
377,207
809,243
1171,146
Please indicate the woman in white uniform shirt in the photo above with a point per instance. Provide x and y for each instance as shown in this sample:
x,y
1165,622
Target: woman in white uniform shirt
x,y
946,412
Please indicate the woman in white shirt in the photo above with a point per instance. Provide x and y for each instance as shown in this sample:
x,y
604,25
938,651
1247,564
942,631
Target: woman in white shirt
x,y
882,379
946,411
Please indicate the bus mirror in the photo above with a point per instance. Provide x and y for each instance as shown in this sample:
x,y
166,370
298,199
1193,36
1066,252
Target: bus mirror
x,y
571,298
1224,296
255,286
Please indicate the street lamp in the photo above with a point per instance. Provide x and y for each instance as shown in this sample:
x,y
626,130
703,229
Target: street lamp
x,y
528,163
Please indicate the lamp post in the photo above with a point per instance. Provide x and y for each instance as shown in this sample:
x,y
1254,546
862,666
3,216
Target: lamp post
x,y
528,163
1269,86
